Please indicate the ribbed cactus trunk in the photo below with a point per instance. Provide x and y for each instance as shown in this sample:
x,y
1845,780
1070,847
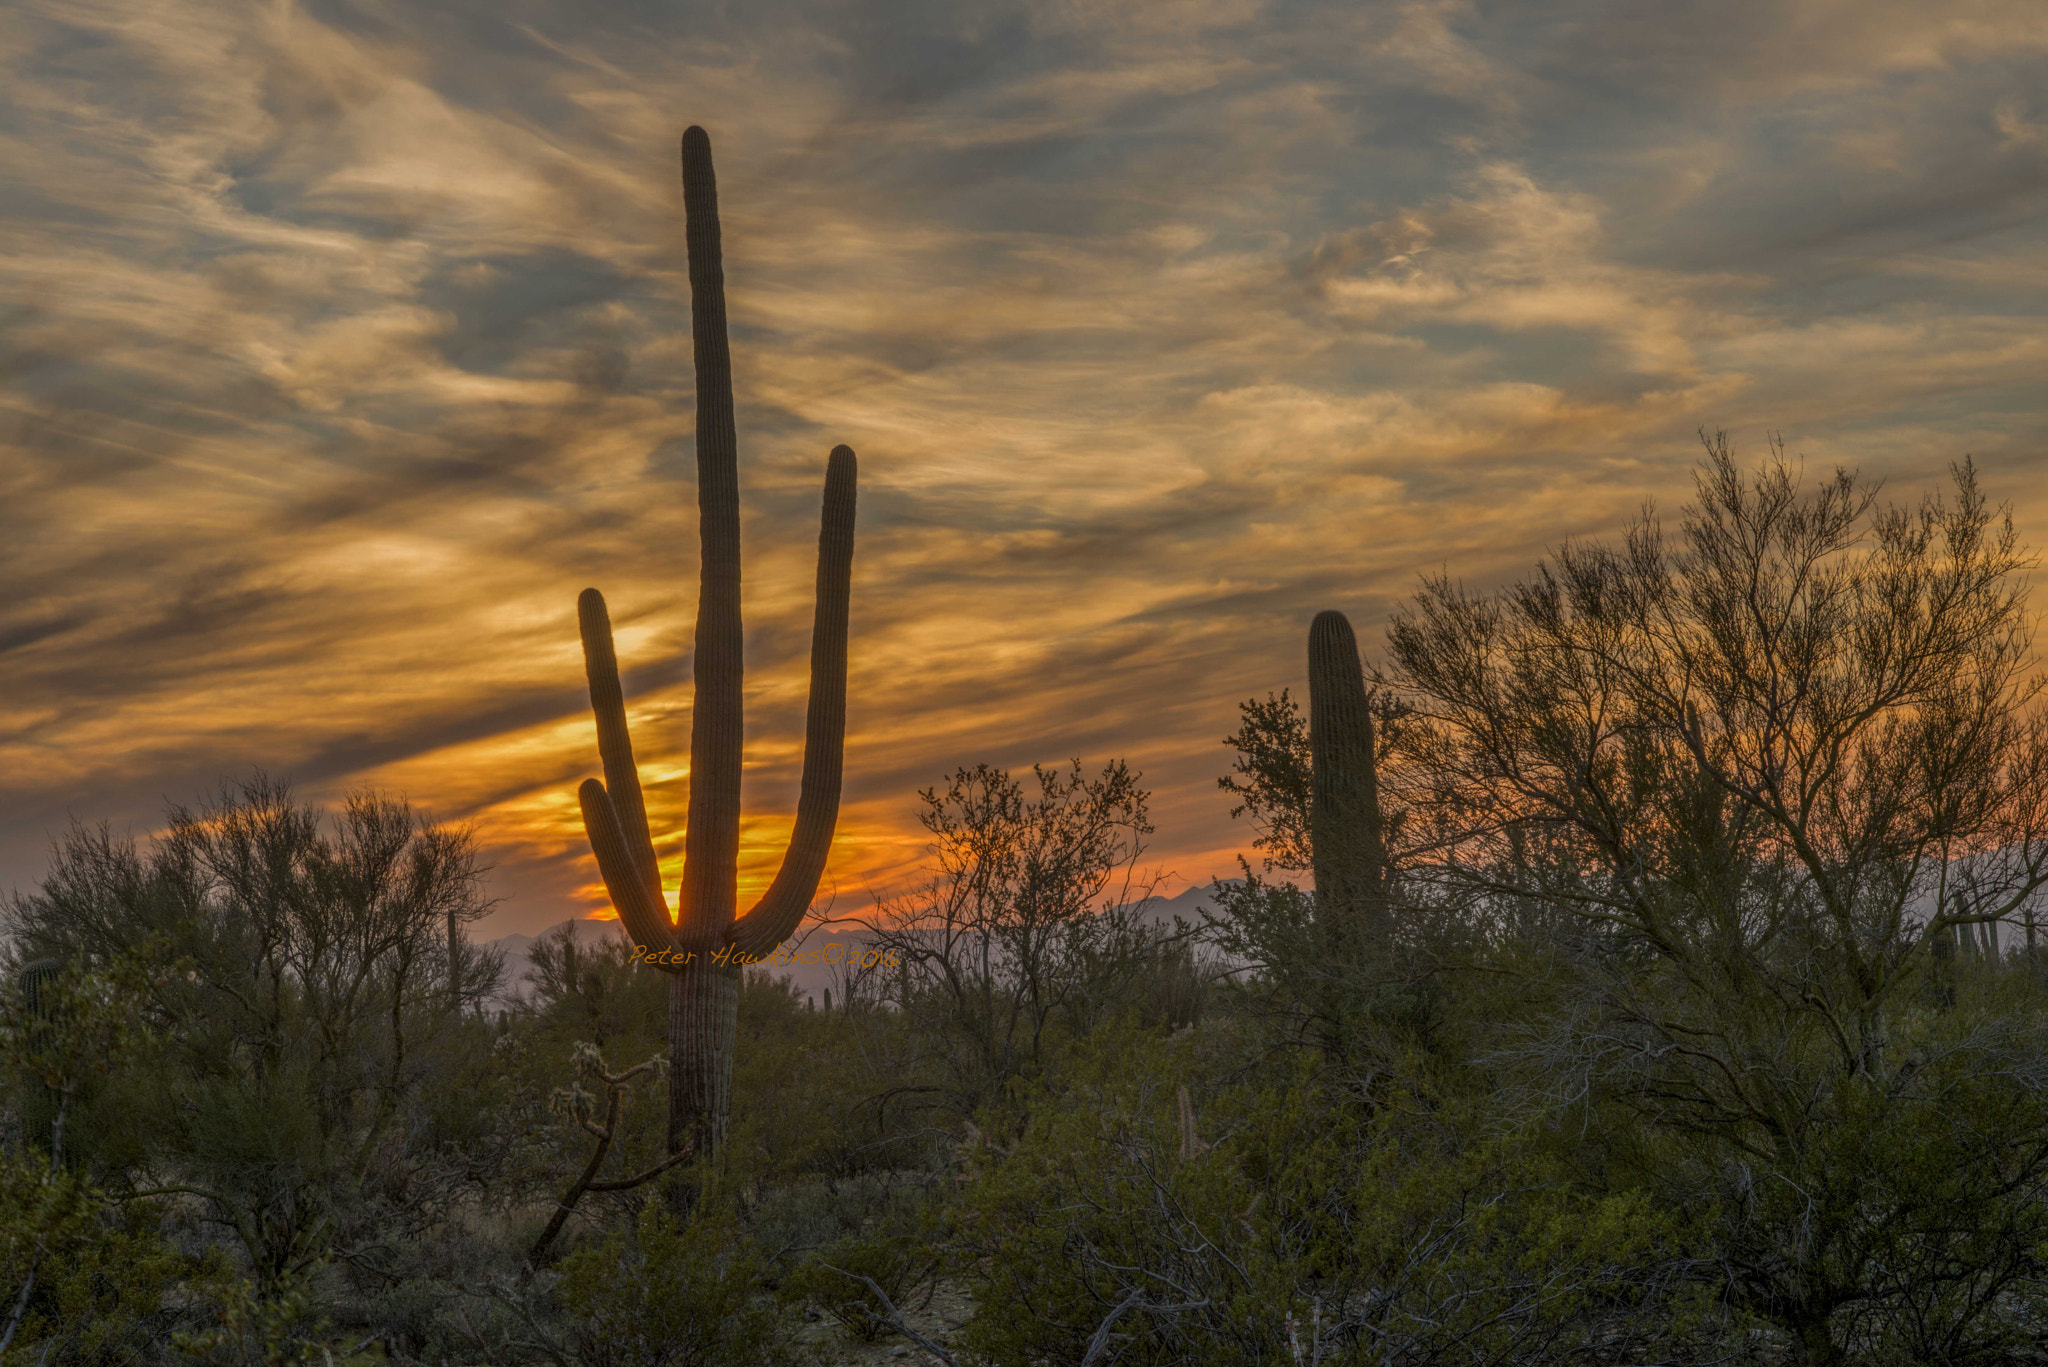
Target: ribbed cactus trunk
x,y
708,941
1347,842
703,1001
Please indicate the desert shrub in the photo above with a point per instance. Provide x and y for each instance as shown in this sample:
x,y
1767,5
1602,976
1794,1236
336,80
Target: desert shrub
x,y
83,1278
91,1280
595,991
661,1295
880,1228
324,991
1277,1218
278,1323
793,1220
1024,927
818,1092
843,1279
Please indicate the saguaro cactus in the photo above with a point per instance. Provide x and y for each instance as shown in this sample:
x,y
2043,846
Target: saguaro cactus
x,y
40,1108
705,947
1348,845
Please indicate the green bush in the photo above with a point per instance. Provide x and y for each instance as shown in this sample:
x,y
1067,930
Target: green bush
x,y
666,1296
92,1279
293,976
837,1281
1283,1220
818,1092
275,1325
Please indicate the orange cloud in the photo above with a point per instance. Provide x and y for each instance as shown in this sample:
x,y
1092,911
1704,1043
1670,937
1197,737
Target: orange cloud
x,y
341,356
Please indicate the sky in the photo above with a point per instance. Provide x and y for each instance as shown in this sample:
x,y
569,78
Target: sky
x,y
342,344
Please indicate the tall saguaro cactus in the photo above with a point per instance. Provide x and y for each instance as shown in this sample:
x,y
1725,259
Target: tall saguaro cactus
x,y
1347,842
704,947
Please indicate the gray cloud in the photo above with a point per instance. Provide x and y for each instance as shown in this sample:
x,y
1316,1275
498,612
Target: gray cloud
x,y
346,342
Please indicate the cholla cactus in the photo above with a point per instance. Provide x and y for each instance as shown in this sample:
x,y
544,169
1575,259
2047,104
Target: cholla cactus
x,y
704,948
1347,841
577,1106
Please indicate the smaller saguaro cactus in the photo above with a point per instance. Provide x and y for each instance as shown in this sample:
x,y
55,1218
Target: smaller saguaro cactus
x,y
454,962
40,1106
34,981
1346,836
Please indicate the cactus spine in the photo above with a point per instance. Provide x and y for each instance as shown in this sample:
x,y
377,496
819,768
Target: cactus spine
x,y
708,938
1347,842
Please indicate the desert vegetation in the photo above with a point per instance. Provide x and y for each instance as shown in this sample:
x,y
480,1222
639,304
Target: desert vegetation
x,y
1677,996
1667,988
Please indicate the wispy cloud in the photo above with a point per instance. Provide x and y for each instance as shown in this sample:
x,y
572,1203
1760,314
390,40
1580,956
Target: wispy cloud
x,y
345,342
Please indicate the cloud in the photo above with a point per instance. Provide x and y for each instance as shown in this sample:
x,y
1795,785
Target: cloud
x,y
348,340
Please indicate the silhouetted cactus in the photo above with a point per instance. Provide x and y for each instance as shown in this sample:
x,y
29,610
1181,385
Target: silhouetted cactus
x,y
708,942
1346,838
39,1107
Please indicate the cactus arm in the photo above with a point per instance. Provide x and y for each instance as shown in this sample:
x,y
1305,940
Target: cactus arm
x,y
1344,814
646,920
776,915
712,841
614,743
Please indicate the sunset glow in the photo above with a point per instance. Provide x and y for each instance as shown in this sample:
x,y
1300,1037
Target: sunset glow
x,y
345,344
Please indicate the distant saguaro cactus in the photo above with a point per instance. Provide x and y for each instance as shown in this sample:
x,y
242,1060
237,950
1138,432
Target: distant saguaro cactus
x,y
40,1107
34,980
708,942
1347,841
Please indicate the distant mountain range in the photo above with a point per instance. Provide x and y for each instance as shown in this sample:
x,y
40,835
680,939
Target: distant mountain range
x,y
814,978
810,978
